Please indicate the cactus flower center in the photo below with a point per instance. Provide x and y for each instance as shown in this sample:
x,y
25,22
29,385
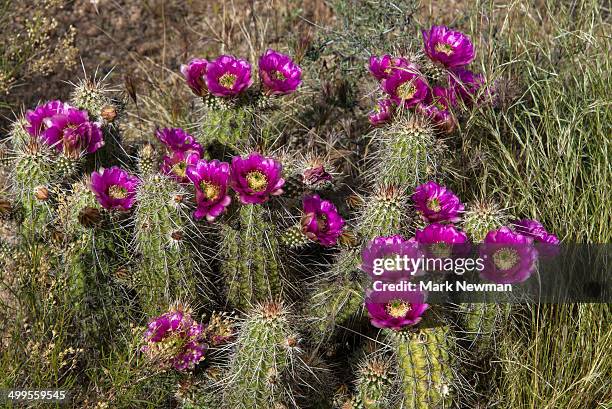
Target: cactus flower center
x,y
210,190
117,192
398,308
180,169
257,181
444,48
322,224
406,90
505,258
434,204
278,75
227,80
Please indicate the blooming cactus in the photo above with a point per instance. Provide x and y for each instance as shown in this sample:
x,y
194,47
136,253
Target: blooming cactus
x,y
321,221
114,188
278,73
211,181
396,313
406,87
176,165
195,75
509,257
447,47
64,128
535,230
256,178
382,67
177,140
441,240
389,247
36,117
228,76
436,203
175,339
382,112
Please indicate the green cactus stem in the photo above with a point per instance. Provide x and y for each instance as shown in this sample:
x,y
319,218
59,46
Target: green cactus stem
x,y
251,266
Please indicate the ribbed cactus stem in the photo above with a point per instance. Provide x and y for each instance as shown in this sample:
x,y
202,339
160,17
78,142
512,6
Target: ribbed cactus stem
x,y
339,298
405,152
226,123
33,171
264,356
79,259
425,362
251,265
167,271
481,323
383,213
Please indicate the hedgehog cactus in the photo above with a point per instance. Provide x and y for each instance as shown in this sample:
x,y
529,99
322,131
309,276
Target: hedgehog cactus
x,y
481,217
79,218
383,213
33,171
337,299
266,352
405,153
162,231
374,383
251,265
426,366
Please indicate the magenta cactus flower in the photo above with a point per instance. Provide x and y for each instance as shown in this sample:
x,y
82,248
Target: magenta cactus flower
x,y
384,248
547,244
176,165
466,84
195,75
406,87
177,140
211,180
72,132
442,240
535,230
397,312
447,47
382,67
278,73
256,178
228,76
509,257
436,203
321,221
36,118
382,112
174,339
437,106
114,188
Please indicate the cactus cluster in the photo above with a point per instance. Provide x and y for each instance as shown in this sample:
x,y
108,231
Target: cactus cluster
x,y
148,247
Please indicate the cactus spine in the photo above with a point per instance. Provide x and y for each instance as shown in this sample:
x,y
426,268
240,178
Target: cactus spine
x,y
265,351
226,122
168,268
251,265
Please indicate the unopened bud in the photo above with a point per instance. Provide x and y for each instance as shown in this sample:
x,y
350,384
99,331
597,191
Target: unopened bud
x,y
109,113
89,217
41,193
177,235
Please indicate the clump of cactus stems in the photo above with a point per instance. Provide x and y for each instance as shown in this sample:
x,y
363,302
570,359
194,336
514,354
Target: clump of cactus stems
x,y
266,359
163,234
252,267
